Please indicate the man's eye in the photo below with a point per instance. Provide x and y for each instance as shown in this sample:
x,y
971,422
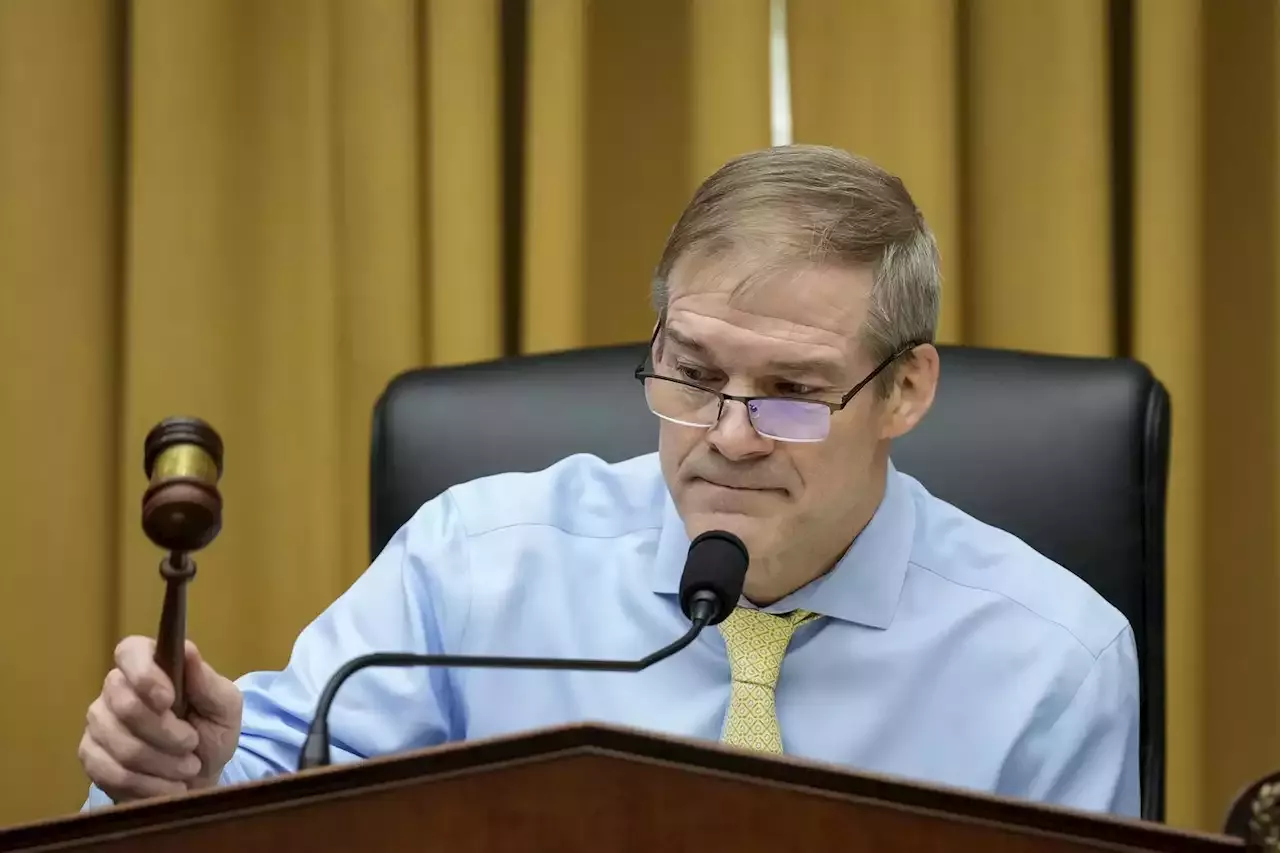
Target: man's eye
x,y
690,373
795,389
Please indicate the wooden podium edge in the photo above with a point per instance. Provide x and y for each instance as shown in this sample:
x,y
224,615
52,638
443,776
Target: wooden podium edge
x,y
617,743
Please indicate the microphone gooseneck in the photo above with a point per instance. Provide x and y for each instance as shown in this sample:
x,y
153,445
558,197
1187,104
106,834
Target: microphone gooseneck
x,y
714,573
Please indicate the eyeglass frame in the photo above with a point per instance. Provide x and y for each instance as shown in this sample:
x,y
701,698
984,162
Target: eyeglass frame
x,y
641,374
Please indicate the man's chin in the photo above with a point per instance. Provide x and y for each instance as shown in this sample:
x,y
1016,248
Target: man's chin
x,y
752,530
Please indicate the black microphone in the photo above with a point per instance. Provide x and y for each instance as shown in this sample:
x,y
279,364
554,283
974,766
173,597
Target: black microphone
x,y
714,573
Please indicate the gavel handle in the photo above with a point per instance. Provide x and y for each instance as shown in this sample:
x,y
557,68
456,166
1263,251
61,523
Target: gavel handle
x,y
176,569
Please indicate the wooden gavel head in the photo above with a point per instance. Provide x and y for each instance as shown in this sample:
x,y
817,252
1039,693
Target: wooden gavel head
x,y
182,508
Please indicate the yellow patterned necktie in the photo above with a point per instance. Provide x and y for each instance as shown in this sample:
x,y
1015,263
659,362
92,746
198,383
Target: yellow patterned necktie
x,y
756,642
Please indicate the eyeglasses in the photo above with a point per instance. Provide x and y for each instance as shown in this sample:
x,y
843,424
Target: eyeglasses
x,y
680,401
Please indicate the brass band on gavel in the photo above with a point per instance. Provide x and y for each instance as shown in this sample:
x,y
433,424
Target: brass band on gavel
x,y
185,460
182,509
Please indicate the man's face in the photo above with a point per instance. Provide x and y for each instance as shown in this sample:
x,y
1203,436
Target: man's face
x,y
792,334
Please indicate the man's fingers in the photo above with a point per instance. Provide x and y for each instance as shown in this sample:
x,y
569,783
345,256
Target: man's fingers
x,y
197,678
134,754
119,784
211,695
164,731
135,657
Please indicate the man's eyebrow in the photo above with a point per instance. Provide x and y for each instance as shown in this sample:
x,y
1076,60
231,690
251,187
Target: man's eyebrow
x,y
684,341
828,370
818,367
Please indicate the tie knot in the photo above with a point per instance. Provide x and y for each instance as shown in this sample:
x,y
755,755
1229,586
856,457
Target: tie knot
x,y
757,641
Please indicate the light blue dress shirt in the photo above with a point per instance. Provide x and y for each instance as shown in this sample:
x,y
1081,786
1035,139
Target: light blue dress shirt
x,y
953,653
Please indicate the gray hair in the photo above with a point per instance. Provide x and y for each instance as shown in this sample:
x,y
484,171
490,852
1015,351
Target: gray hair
x,y
819,206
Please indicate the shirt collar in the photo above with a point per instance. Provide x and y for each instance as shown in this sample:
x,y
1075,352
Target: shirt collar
x,y
865,585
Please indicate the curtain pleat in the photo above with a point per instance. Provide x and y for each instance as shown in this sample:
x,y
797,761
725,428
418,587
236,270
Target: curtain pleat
x,y
381,237
637,157
1240,490
554,281
463,190
60,225
1037,215
1168,335
729,81
880,79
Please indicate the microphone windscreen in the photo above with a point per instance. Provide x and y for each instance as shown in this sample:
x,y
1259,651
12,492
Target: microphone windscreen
x,y
717,563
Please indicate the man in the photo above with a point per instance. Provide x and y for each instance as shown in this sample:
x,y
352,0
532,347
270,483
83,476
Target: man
x,y
797,300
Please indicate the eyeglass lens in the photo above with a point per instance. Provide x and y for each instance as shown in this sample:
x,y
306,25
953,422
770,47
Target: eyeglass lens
x,y
786,420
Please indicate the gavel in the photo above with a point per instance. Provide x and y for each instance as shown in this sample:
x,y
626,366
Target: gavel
x,y
182,513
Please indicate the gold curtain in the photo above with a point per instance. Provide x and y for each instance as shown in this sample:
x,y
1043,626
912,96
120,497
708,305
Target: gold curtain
x,y
256,212
259,211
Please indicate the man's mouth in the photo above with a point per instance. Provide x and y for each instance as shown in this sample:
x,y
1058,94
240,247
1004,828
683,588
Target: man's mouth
x,y
734,486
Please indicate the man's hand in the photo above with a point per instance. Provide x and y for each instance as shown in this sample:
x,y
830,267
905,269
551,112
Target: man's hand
x,y
135,747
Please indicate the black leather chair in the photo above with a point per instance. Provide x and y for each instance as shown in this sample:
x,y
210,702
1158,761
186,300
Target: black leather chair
x,y
1070,454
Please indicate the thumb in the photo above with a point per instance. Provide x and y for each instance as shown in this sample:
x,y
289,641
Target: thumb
x,y
210,695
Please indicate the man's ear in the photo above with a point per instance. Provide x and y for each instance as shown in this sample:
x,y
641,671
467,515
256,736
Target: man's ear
x,y
914,387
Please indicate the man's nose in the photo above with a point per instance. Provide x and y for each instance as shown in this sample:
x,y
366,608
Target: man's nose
x,y
734,437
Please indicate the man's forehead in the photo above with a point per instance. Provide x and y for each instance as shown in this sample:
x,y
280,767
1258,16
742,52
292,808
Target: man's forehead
x,y
773,292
